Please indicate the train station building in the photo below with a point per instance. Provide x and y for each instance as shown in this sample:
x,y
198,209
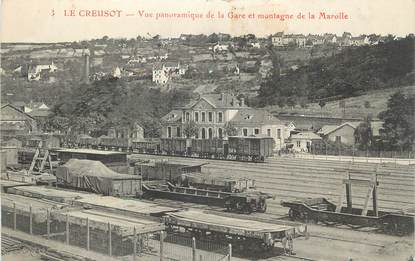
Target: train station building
x,y
214,114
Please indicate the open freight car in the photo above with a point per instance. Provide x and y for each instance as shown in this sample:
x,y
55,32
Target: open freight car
x,y
147,146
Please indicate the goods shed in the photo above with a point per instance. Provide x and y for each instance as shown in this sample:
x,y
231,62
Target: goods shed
x,y
117,161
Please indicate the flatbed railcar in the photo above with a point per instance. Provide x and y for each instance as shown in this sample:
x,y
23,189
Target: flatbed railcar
x,y
239,148
248,235
324,211
244,202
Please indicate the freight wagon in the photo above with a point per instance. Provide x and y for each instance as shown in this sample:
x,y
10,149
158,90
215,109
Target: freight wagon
x,y
106,143
251,148
148,146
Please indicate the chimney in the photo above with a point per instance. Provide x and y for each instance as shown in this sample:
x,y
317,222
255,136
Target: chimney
x,y
86,68
234,103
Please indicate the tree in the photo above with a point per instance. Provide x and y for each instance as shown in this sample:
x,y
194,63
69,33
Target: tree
x,y
190,129
363,134
281,102
291,101
230,129
399,122
213,38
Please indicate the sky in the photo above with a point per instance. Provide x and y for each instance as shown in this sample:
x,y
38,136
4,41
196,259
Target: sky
x,y
45,20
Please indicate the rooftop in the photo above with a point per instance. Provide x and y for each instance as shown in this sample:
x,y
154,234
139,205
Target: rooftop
x,y
89,151
306,136
255,116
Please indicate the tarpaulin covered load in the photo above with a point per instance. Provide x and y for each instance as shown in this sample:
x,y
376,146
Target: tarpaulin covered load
x,y
96,177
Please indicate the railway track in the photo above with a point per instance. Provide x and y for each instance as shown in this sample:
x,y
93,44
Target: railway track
x,y
394,194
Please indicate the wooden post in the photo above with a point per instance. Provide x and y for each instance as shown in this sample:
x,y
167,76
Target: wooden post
x,y
87,234
14,216
48,222
135,245
349,197
67,229
375,196
109,240
161,245
230,252
30,219
193,248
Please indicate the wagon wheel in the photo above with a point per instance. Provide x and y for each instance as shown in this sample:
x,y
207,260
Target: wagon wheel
x,y
247,209
303,216
293,214
263,207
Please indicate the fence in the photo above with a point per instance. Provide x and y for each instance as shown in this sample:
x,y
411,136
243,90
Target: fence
x,y
73,228
353,152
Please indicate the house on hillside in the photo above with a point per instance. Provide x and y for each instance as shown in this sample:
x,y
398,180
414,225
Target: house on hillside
x,y
277,39
14,121
135,132
330,39
220,47
36,72
359,40
213,112
314,39
301,142
162,73
300,40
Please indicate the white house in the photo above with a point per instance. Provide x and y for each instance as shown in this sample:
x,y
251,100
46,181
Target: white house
x,y
359,40
277,39
302,141
169,70
220,47
34,73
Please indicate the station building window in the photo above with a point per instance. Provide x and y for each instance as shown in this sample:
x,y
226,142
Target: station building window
x,y
168,132
245,132
187,116
220,133
220,116
203,116
256,131
298,144
210,133
269,132
210,116
178,132
196,116
279,134
203,133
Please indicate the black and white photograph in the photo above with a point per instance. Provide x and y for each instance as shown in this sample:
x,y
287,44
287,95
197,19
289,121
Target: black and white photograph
x,y
207,130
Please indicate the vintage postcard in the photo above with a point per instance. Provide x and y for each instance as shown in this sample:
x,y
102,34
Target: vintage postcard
x,y
207,130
